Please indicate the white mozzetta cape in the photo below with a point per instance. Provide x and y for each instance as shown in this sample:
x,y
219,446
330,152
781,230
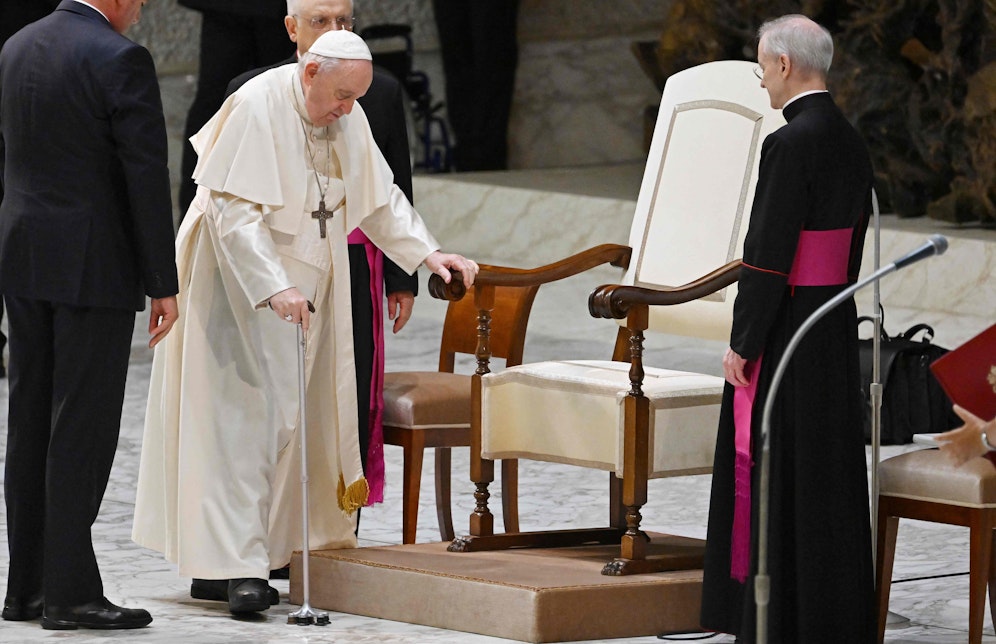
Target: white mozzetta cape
x,y
219,484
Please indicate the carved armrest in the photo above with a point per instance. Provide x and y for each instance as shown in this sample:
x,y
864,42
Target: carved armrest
x,y
613,254
491,277
615,300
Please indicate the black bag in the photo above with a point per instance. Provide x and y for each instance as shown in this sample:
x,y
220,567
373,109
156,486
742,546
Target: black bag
x,y
913,402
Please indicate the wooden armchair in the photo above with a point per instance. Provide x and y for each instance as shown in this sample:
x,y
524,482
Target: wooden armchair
x,y
681,266
432,408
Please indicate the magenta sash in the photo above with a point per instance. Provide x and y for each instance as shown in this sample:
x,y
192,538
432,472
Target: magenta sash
x,y
821,259
375,450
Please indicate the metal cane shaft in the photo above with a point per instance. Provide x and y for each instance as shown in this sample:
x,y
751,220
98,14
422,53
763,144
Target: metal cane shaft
x,y
305,547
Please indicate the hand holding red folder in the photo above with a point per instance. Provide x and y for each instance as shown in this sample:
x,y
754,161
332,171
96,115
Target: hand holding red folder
x,y
966,442
968,374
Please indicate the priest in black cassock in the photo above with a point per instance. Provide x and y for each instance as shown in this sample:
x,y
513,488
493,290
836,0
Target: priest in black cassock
x,y
803,247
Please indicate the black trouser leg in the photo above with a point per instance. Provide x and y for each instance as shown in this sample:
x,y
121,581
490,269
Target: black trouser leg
x,y
68,371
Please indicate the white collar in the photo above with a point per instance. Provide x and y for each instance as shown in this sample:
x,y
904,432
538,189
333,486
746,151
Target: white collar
x,y
788,102
95,9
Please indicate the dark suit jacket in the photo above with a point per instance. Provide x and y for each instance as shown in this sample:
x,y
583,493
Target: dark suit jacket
x,y
86,218
261,8
386,113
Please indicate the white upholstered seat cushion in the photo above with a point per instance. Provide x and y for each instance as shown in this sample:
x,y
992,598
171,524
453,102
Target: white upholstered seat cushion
x,y
572,412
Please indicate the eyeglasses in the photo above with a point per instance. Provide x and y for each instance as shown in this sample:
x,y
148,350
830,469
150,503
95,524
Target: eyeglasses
x,y
758,72
325,23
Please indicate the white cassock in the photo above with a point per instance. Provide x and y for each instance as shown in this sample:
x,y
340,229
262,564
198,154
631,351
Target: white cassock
x,y
219,481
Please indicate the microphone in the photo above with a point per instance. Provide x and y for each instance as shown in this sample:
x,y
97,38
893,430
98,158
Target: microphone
x,y
935,245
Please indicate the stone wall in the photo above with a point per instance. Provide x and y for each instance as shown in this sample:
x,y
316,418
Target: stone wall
x,y
579,92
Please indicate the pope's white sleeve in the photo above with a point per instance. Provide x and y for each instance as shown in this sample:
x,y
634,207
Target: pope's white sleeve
x,y
398,230
248,247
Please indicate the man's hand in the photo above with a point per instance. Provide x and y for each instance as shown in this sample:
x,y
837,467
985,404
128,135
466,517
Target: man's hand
x,y
965,443
162,316
442,263
733,369
399,308
292,306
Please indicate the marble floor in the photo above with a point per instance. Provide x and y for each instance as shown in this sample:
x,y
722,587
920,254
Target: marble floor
x,y
133,576
931,580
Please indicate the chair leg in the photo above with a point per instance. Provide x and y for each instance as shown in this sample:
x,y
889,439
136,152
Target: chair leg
x,y
617,513
888,527
510,493
443,509
980,559
413,448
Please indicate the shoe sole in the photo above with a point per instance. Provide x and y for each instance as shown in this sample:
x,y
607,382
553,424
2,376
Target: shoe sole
x,y
249,607
205,594
62,625
19,617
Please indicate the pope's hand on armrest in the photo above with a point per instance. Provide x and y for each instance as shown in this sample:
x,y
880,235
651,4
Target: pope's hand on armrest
x,y
442,263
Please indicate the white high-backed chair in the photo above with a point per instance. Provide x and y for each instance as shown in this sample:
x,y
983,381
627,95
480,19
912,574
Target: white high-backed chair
x,y
681,268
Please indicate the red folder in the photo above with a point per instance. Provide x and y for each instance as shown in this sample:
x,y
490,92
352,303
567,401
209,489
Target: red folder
x,y
968,374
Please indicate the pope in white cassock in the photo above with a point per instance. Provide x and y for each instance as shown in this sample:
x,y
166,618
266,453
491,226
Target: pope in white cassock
x,y
287,169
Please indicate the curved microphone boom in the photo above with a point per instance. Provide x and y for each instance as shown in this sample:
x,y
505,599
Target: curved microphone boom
x,y
935,245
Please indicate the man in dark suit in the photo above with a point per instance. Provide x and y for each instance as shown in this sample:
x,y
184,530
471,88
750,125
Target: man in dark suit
x,y
85,234
803,247
236,36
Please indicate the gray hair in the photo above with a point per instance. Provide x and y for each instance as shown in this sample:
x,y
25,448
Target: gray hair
x,y
293,6
806,43
325,63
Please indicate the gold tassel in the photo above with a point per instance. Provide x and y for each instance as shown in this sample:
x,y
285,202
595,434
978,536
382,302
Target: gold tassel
x,y
353,497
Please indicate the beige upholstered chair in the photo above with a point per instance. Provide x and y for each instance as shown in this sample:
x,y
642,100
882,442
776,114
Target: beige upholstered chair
x,y
633,421
923,485
432,408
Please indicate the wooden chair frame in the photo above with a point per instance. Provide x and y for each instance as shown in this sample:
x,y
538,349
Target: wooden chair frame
x,y
982,565
627,494
513,305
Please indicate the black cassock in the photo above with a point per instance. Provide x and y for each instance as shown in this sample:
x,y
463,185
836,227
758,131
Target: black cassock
x,y
815,175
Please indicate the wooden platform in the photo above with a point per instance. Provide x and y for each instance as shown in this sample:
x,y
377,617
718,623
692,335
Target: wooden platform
x,y
542,595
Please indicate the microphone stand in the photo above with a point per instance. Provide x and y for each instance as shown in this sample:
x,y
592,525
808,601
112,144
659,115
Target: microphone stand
x,y
762,581
892,620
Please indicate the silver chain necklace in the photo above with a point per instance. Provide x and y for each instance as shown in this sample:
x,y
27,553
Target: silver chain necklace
x,y
321,214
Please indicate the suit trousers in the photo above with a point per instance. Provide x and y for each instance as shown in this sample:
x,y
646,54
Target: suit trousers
x,y
67,379
480,54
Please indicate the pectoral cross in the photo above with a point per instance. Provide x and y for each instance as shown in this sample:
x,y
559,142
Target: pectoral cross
x,y
321,215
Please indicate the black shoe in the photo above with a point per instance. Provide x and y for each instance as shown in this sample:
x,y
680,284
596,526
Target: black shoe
x,y
247,595
281,573
97,614
18,609
217,590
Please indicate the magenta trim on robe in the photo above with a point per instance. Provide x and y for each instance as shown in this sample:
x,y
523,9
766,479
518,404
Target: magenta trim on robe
x,y
821,259
375,450
743,411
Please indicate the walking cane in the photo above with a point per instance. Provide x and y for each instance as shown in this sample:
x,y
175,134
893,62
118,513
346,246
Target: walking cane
x,y
305,616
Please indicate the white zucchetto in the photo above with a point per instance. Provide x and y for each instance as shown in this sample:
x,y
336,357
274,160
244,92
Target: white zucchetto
x,y
341,44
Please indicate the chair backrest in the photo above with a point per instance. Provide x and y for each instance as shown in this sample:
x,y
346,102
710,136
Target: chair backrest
x,y
698,187
508,326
